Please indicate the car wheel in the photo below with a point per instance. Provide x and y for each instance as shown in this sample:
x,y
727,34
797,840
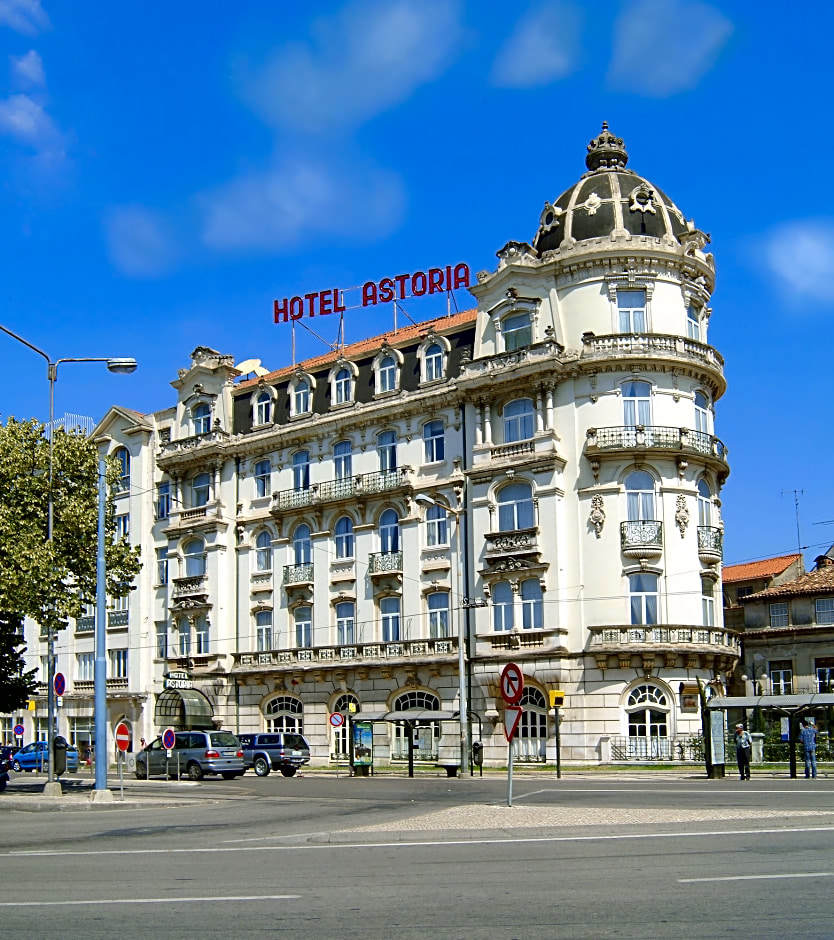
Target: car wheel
x,y
261,767
194,771
141,771
288,771
16,767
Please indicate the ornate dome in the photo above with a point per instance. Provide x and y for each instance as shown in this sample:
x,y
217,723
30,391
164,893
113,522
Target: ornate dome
x,y
608,201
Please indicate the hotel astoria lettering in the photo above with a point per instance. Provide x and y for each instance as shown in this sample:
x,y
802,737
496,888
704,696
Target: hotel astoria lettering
x,y
387,289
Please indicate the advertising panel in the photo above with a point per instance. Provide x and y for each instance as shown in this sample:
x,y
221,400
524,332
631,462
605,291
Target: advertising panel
x,y
363,743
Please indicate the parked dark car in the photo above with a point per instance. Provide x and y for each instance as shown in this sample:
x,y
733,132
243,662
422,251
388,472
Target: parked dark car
x,y
195,753
7,752
274,750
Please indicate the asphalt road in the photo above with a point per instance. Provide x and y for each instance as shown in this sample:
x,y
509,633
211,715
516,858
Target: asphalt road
x,y
391,857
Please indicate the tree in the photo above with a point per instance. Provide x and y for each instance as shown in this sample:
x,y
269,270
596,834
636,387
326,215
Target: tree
x,y
50,582
16,685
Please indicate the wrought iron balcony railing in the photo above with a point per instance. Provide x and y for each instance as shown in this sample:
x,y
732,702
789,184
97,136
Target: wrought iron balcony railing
x,y
384,562
117,618
85,624
654,437
381,481
641,539
710,544
298,574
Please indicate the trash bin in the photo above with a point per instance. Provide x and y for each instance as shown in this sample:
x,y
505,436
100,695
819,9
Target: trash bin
x,y
477,753
59,746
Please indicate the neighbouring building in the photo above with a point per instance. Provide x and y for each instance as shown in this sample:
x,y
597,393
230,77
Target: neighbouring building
x,y
742,580
539,475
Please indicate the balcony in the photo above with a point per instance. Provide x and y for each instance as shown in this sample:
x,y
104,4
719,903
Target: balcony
x,y
333,657
642,539
199,446
710,540
201,517
382,563
85,624
190,586
515,542
298,576
630,346
663,644
652,440
117,618
348,488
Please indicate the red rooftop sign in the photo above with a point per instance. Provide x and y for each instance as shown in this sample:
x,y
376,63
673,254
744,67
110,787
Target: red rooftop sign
x,y
321,303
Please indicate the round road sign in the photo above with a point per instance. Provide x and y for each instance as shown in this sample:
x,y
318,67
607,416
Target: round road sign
x,y
18,731
337,719
169,739
59,683
512,683
122,736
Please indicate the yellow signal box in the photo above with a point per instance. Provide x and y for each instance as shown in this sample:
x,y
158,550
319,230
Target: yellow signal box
x,y
557,698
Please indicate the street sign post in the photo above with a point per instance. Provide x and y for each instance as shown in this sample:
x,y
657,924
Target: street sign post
x,y
512,685
18,731
122,735
59,683
557,699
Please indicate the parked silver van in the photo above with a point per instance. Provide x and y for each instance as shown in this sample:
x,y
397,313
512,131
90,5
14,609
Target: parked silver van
x,y
195,753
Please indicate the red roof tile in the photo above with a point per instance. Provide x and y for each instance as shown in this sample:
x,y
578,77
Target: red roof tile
x,y
818,581
764,568
394,337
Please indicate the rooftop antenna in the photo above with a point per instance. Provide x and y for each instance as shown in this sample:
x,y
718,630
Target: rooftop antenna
x,y
796,495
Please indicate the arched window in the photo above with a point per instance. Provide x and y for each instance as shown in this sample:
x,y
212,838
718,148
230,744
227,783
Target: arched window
x,y
519,420
263,408
502,606
438,605
433,363
704,503
123,458
344,537
342,704
301,397
263,625
389,532
263,470
517,331
515,507
345,623
417,698
194,553
303,618
284,713
637,404
530,741
648,723
433,441
200,488
532,604
387,374
389,608
437,526
202,418
301,470
640,496
702,423
386,448
343,386
263,552
302,545
427,734
343,460
643,598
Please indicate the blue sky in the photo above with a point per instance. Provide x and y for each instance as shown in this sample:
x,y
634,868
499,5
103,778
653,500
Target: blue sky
x,y
166,170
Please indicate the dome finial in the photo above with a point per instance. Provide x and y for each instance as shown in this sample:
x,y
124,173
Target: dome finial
x,y
606,151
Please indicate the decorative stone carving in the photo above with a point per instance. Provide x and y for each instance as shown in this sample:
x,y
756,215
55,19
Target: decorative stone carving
x,y
681,515
642,200
597,516
591,204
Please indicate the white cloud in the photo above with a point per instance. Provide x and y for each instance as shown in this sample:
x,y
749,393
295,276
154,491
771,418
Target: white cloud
x,y
28,69
662,47
23,16
301,199
359,62
26,120
140,242
543,48
800,255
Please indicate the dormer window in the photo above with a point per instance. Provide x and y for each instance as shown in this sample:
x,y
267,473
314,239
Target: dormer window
x,y
518,331
386,366
434,363
263,408
343,386
202,418
301,398
631,306
387,374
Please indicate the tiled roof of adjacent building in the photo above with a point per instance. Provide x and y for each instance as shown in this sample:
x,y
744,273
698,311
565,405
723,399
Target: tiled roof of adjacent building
x,y
819,581
764,568
392,337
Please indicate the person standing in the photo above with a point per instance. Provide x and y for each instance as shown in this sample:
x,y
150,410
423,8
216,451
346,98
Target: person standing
x,y
744,748
808,737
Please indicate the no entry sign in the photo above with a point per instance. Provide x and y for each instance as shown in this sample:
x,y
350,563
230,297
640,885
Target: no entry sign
x,y
512,683
122,736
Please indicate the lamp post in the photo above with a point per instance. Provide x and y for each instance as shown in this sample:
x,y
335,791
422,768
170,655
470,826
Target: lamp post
x,y
118,365
460,549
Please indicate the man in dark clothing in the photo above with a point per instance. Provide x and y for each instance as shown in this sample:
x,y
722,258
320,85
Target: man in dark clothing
x,y
744,747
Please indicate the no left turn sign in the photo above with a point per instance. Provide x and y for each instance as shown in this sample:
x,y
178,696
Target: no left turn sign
x,y
512,683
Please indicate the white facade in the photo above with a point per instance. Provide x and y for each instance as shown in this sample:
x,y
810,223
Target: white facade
x,y
567,423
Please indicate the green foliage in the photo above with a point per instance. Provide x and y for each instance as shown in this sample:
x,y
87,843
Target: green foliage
x,y
15,684
46,581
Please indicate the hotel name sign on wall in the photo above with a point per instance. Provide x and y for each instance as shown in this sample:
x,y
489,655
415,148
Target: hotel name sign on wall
x,y
387,289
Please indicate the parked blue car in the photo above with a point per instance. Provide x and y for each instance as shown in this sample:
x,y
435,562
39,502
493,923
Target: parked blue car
x,y
36,757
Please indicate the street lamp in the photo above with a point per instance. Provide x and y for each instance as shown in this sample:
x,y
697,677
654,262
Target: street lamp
x,y
462,710
118,365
